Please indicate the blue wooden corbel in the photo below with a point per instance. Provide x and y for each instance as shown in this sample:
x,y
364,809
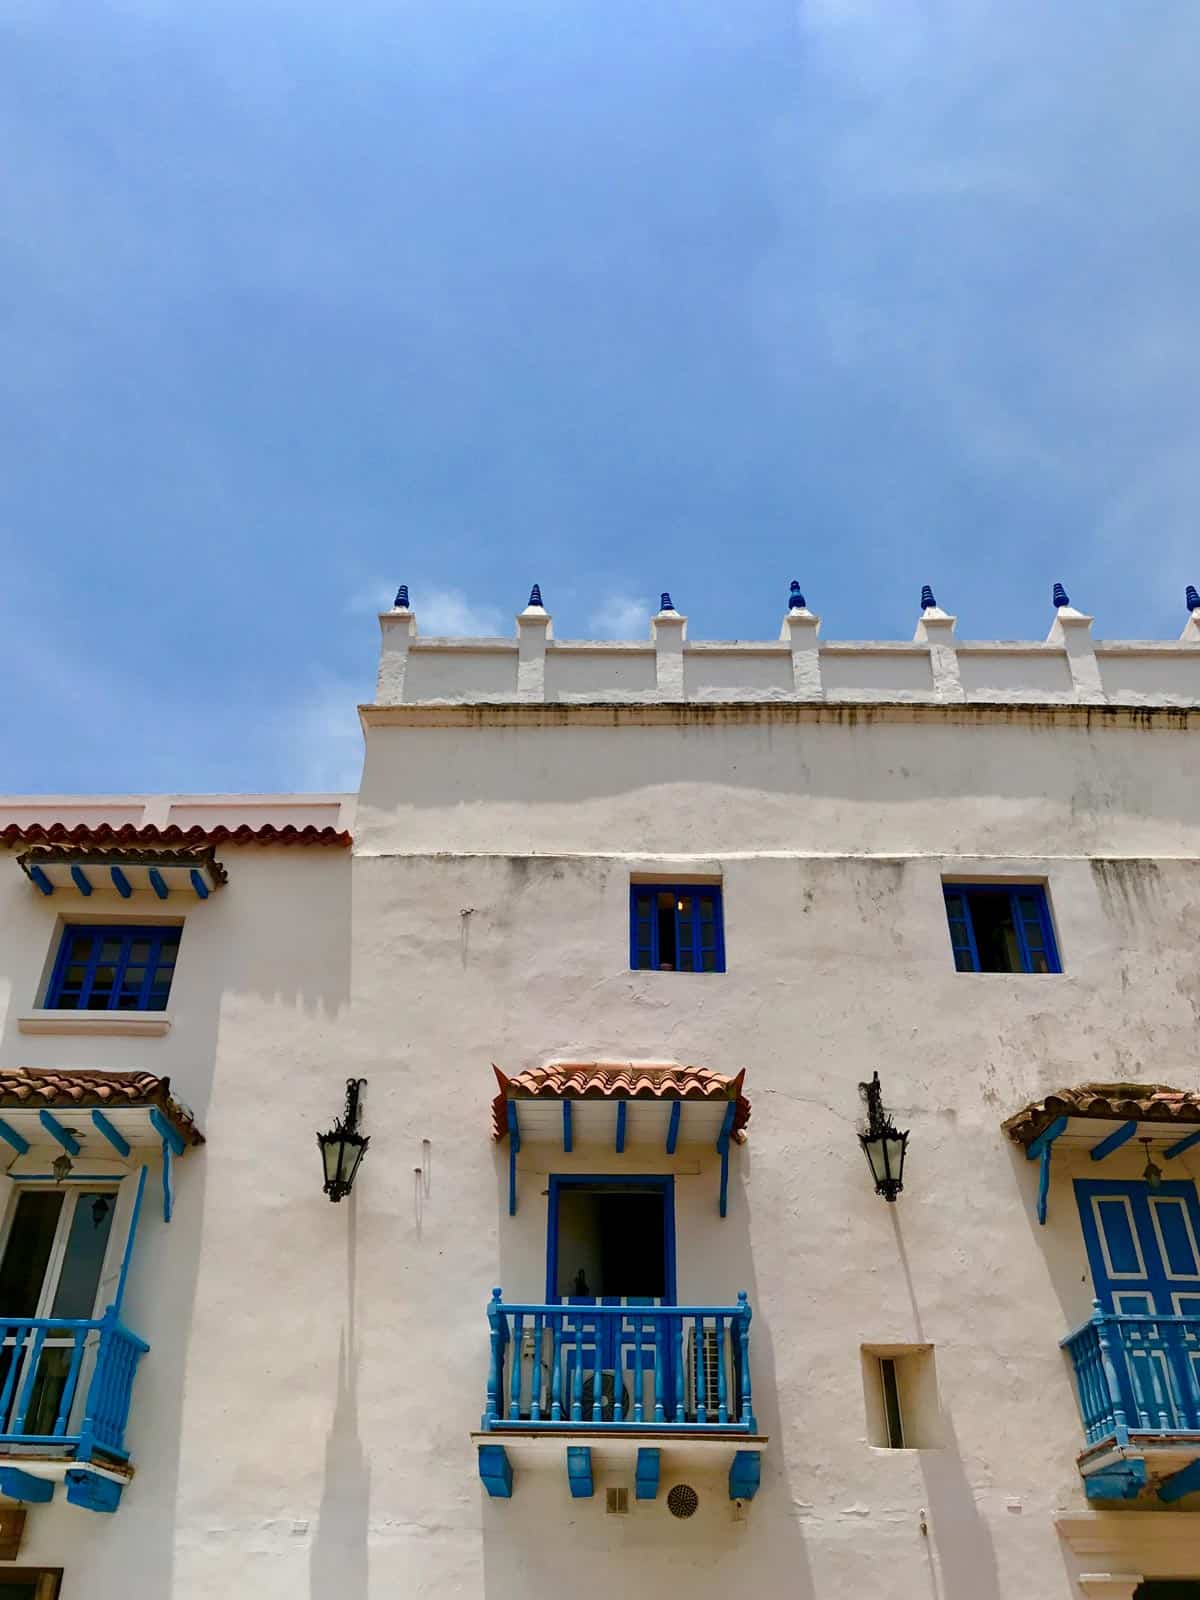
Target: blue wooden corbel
x,y
649,1462
172,1145
514,1148
90,1490
579,1471
18,1485
1123,1480
723,1148
745,1474
1185,1481
495,1471
1039,1150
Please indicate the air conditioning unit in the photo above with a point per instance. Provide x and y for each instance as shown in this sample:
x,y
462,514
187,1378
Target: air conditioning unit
x,y
702,1375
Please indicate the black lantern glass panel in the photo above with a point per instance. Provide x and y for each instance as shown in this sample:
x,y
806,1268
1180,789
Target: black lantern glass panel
x,y
883,1144
343,1147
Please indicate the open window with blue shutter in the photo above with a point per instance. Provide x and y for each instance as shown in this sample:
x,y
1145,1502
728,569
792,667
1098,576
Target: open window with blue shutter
x,y
1001,927
676,927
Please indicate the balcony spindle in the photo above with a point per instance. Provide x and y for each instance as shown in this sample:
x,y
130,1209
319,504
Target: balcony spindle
x,y
577,1374
68,1394
556,1409
639,1409
1156,1347
661,1333
1111,1379
680,1343
32,1362
514,1383
496,1319
7,1332
535,1371
744,1358
618,1414
722,1379
699,1374
597,1375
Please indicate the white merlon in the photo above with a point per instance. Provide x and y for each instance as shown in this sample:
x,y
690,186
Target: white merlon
x,y
800,630
399,629
534,628
935,628
1071,630
669,630
1191,628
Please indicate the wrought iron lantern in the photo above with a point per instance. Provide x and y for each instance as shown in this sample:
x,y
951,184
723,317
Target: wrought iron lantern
x,y
343,1147
883,1144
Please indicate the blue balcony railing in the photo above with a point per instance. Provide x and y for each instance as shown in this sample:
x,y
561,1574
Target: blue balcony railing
x,y
625,1365
66,1384
1136,1375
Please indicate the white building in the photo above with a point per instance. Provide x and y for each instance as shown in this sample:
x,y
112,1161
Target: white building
x,y
623,874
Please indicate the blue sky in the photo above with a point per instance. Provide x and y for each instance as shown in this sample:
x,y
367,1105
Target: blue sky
x,y
300,301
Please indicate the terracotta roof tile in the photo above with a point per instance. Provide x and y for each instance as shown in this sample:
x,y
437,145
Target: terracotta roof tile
x,y
131,834
1108,1102
81,1088
618,1080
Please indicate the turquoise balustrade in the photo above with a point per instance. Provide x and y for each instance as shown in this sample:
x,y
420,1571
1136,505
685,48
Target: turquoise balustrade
x,y
630,1365
43,1361
1136,1375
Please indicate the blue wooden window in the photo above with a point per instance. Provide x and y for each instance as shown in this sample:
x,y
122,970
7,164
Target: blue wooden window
x,y
121,968
676,928
996,927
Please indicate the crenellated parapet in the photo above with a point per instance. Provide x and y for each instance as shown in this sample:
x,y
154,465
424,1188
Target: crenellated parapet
x,y
935,667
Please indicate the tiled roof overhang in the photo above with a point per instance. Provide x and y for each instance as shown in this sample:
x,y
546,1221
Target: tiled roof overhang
x,y
87,1088
104,855
1106,1102
619,1080
129,835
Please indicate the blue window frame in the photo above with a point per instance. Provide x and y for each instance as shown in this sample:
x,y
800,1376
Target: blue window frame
x,y
1000,927
119,968
676,927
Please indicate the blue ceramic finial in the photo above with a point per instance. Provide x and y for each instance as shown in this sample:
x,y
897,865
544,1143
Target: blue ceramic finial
x,y
796,601
928,603
535,595
1061,597
666,604
1193,597
401,601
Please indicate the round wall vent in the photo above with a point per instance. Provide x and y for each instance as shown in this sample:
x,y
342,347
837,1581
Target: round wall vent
x,y
682,1500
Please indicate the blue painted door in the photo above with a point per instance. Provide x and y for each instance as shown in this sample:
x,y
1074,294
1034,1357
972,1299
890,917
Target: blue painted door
x,y
1143,1245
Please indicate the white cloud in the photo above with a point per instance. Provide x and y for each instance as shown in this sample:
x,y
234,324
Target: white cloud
x,y
441,613
372,596
321,741
620,617
447,613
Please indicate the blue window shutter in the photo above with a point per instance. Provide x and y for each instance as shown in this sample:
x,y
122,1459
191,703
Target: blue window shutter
x,y
1031,917
113,968
699,927
962,935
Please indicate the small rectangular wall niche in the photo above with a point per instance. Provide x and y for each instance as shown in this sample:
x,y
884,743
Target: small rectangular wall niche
x,y
901,1395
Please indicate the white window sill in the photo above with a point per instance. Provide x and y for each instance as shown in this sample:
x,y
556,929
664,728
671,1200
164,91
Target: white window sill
x,y
128,1024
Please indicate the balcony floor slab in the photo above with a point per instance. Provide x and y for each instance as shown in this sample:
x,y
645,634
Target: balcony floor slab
x,y
532,1447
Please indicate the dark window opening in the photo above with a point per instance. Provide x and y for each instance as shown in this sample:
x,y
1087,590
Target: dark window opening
x,y
891,1403
995,928
676,928
611,1243
27,1253
113,969
1168,1589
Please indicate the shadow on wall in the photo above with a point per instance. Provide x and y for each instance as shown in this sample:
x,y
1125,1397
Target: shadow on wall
x,y
962,1555
338,1565
542,1542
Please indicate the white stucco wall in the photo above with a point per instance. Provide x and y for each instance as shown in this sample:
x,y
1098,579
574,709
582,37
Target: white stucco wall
x,y
301,1426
